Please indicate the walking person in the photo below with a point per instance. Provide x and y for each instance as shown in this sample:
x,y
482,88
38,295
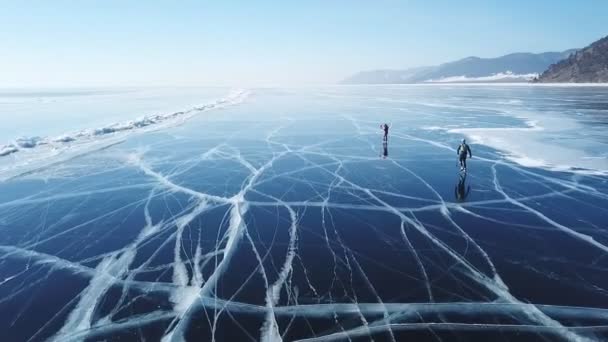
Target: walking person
x,y
385,128
462,151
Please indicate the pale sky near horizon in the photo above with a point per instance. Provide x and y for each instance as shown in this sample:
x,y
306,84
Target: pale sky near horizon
x,y
136,43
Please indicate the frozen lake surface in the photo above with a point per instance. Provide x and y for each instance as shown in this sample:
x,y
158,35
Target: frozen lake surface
x,y
269,214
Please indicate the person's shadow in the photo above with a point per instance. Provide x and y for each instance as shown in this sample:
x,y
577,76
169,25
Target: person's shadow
x,y
461,191
385,150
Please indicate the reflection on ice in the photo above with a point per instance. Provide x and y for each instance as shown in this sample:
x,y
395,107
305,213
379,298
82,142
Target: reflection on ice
x,y
462,190
385,150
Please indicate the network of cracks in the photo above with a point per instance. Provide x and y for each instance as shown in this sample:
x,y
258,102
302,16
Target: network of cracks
x,y
307,239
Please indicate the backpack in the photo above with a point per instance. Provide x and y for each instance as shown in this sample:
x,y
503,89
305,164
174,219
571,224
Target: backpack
x,y
463,149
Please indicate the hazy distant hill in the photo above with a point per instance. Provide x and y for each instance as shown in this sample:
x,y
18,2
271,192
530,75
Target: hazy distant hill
x,y
387,76
588,65
512,67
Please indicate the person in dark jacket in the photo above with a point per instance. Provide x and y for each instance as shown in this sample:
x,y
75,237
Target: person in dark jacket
x,y
385,128
462,151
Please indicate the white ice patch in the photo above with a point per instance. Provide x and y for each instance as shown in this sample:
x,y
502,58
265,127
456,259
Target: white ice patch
x,y
184,298
432,128
531,146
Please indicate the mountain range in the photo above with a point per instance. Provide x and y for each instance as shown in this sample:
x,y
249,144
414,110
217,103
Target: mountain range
x,y
515,67
587,65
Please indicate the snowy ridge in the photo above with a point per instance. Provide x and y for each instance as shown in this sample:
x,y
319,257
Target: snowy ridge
x,y
507,76
25,155
149,121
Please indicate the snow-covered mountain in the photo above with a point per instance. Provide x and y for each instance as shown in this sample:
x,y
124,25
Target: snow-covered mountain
x,y
515,67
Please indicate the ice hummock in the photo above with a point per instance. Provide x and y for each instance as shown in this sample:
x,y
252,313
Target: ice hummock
x,y
29,153
125,126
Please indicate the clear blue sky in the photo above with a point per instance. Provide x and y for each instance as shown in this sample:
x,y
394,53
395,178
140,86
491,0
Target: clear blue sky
x,y
107,43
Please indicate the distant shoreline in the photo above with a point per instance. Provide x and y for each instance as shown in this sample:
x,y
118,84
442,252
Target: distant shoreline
x,y
499,84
